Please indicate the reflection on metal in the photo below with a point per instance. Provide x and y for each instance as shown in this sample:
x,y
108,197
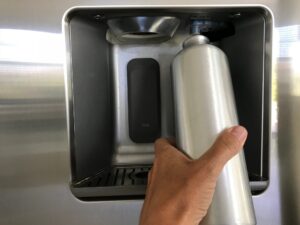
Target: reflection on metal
x,y
290,52
288,121
34,161
30,46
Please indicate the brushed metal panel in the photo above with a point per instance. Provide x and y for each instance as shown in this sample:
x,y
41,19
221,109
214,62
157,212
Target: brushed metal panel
x,y
34,162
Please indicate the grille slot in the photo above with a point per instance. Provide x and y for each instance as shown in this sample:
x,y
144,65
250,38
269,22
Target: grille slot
x,y
118,176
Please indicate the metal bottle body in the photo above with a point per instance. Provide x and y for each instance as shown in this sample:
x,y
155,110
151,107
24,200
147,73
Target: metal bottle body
x,y
204,106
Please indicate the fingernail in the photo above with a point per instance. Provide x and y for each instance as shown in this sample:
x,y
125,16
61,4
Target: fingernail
x,y
239,132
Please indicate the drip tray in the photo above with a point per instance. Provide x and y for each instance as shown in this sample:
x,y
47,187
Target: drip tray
x,y
129,181
114,181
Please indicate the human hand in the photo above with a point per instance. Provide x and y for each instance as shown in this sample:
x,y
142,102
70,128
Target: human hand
x,y
180,190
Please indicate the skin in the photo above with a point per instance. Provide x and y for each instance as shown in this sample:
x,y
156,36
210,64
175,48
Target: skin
x,y
180,190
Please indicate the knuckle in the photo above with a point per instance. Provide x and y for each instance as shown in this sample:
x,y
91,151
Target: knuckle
x,y
211,170
229,143
158,142
161,146
206,169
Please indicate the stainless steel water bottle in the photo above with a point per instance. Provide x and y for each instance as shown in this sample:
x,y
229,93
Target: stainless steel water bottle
x,y
205,106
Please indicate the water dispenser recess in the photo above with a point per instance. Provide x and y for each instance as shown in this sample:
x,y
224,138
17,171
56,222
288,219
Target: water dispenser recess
x,y
114,115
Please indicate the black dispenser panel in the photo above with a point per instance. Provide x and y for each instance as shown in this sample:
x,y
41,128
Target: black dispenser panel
x,y
143,100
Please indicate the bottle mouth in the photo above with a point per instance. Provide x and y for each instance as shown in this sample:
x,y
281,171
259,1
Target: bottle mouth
x,y
196,39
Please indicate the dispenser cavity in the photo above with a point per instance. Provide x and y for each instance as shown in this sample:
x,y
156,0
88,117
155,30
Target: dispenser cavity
x,y
112,123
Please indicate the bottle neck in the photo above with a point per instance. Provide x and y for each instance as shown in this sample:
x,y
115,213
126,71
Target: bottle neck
x,y
196,39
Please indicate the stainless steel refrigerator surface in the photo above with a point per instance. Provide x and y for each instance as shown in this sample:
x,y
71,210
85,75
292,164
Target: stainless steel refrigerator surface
x,y
35,172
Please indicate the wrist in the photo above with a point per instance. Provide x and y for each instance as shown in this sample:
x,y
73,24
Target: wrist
x,y
167,217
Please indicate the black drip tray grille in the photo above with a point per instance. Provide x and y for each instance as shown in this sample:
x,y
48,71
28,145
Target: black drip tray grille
x,y
118,176
131,181
114,181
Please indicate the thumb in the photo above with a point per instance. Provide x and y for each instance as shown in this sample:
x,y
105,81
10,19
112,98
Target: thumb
x,y
227,145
